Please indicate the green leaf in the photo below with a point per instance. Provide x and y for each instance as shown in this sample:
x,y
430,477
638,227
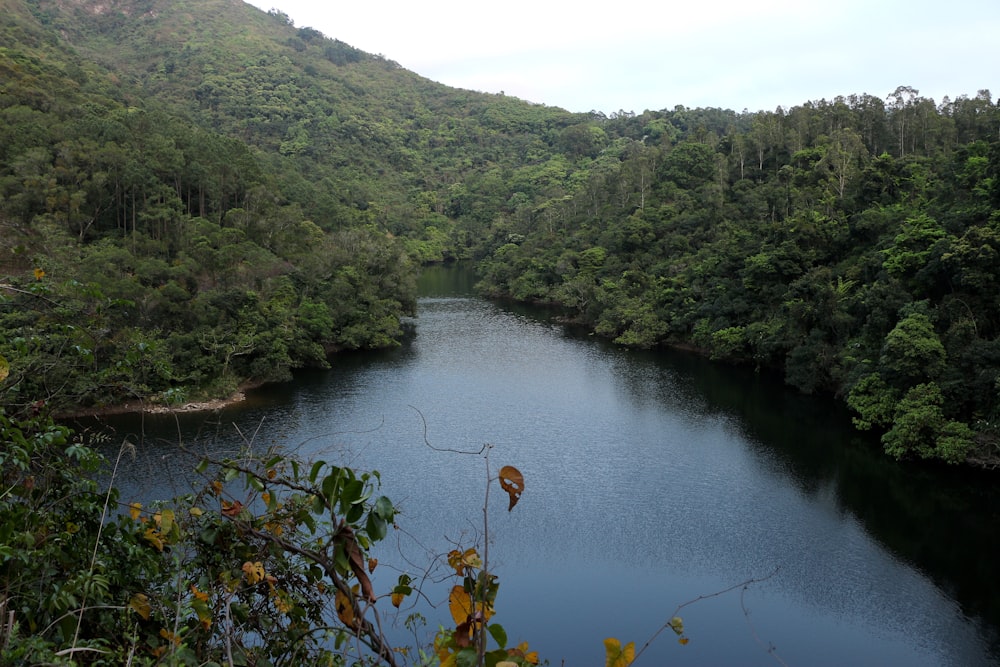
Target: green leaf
x,y
331,484
202,466
314,472
466,658
351,493
354,513
376,527
384,509
499,634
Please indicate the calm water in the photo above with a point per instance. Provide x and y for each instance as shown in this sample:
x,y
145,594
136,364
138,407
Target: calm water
x,y
651,480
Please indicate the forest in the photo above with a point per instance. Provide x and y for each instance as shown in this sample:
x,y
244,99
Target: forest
x,y
192,206
197,197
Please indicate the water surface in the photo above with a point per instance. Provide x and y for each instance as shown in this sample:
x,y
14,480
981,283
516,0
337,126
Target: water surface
x,y
652,479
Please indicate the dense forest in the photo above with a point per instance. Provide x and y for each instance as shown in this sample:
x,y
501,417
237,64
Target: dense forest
x,y
197,196
850,245
200,196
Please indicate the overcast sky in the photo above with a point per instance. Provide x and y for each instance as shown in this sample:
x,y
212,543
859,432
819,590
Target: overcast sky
x,y
634,55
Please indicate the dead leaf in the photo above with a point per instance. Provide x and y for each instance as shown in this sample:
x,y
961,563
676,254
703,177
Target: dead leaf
x,y
357,561
231,509
512,481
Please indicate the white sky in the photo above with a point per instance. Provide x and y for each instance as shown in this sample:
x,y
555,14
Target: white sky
x,y
634,55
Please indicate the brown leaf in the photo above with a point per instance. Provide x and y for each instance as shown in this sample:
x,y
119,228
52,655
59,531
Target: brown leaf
x,y
463,634
231,509
512,481
357,562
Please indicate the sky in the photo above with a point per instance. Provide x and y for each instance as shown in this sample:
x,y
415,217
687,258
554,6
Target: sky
x,y
636,55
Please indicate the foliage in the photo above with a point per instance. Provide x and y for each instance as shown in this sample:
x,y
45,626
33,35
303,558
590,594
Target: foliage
x,y
223,197
267,564
823,242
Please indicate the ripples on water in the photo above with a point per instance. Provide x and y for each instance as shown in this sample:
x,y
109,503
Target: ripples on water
x,y
641,493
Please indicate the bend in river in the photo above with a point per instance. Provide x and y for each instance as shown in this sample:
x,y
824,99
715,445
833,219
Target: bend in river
x,y
651,479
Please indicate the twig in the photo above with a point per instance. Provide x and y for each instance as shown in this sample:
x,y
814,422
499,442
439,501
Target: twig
x,y
769,647
445,449
742,584
125,446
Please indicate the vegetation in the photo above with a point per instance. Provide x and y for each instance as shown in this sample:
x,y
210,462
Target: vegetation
x,y
181,221
849,245
267,563
196,196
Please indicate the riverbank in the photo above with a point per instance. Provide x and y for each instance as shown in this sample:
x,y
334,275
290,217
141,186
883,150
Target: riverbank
x,y
140,406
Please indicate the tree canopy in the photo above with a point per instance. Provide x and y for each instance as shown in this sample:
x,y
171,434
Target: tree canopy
x,y
195,196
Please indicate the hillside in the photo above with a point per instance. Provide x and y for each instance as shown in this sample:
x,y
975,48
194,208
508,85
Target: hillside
x,y
198,195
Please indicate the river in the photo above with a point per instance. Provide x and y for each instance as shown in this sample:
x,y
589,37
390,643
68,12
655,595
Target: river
x,y
651,479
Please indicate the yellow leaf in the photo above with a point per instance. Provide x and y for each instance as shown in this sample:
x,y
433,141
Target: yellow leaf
x,y
154,537
683,641
677,625
4,368
216,487
199,595
461,560
139,603
282,602
170,637
460,605
512,481
39,274
266,497
253,572
616,656
455,561
397,599
166,520
135,510
196,511
345,609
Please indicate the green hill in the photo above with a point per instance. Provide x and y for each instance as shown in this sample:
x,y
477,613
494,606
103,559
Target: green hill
x,y
200,195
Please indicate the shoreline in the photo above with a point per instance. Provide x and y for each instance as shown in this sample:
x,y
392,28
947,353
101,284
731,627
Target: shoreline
x,y
141,407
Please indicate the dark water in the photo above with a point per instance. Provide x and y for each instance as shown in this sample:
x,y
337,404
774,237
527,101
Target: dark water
x,y
651,479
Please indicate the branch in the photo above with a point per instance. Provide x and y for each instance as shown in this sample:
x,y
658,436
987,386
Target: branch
x,y
445,449
743,584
